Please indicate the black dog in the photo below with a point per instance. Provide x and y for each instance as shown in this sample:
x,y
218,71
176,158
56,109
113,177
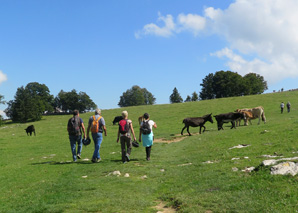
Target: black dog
x,y
30,129
117,119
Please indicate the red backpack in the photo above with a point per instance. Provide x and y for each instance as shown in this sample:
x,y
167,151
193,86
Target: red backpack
x,y
123,126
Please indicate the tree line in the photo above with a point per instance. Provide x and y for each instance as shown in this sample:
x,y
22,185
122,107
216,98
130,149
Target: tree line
x,y
32,101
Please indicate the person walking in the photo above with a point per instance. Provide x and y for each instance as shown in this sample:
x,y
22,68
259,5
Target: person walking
x,y
97,126
146,134
124,133
75,126
289,106
282,106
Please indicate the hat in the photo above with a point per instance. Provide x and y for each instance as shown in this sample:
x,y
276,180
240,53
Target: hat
x,y
86,141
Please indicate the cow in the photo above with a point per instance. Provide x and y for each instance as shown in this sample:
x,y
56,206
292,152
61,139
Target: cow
x,y
228,117
117,119
258,112
195,122
30,129
248,116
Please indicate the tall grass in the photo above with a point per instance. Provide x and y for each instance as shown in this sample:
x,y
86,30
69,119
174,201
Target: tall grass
x,y
38,175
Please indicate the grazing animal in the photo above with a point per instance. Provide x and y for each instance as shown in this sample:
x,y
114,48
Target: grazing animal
x,y
228,117
258,112
30,129
195,122
248,116
117,119
140,119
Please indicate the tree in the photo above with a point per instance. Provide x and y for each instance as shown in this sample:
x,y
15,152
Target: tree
x,y
188,99
230,84
69,101
207,88
1,102
136,96
254,84
194,96
175,97
29,103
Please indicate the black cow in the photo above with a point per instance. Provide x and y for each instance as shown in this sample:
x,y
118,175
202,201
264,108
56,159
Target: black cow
x,y
228,117
30,129
117,119
195,122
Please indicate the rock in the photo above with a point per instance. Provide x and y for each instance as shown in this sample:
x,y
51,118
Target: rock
x,y
265,131
208,162
235,169
162,170
248,169
116,173
269,162
240,146
126,175
144,177
84,176
186,164
285,168
235,159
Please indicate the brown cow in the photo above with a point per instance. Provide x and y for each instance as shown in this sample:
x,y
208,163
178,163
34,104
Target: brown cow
x,y
248,116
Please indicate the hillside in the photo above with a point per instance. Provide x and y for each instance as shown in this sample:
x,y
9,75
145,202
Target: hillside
x,y
193,175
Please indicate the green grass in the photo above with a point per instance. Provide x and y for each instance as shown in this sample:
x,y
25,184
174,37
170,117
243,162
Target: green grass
x,y
37,173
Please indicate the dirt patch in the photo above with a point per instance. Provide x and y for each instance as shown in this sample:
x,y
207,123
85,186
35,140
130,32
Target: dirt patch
x,y
162,208
176,138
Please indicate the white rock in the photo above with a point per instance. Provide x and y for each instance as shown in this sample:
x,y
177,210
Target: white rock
x,y
269,162
208,162
235,169
248,169
84,176
235,159
126,175
186,164
162,170
240,146
118,173
144,177
285,168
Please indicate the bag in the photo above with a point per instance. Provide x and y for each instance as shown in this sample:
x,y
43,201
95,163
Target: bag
x,y
135,144
123,126
145,128
95,124
74,124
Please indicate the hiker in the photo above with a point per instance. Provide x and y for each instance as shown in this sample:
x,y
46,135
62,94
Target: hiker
x,y
75,126
282,106
289,106
97,125
124,133
146,134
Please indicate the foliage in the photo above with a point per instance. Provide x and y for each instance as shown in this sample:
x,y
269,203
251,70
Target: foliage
x,y
136,96
188,99
175,97
230,84
42,178
254,84
29,103
194,96
69,101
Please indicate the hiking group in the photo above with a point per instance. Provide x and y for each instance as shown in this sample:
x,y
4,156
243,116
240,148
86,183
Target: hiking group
x,y
96,124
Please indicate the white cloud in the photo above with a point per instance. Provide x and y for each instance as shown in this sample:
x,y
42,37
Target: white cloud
x,y
265,29
153,29
191,22
3,77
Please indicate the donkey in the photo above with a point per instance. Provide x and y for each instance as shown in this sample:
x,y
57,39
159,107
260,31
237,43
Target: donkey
x,y
195,122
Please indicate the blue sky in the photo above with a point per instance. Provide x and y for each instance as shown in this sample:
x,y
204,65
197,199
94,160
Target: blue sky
x,y
104,47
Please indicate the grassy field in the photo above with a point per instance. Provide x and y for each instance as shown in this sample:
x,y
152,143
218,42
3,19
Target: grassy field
x,y
38,175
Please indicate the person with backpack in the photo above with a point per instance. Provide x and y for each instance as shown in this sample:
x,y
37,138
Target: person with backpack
x,y
97,126
75,126
124,133
146,134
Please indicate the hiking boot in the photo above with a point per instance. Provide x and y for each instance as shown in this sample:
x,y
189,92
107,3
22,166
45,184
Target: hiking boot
x,y
78,156
127,157
148,158
95,160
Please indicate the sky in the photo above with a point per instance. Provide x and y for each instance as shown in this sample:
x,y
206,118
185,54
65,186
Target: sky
x,y
105,47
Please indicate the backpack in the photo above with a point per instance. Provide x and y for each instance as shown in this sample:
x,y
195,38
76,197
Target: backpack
x,y
123,126
95,124
145,128
74,124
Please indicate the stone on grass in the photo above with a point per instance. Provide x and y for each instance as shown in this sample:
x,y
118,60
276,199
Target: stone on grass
x,y
285,168
248,169
126,175
240,146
